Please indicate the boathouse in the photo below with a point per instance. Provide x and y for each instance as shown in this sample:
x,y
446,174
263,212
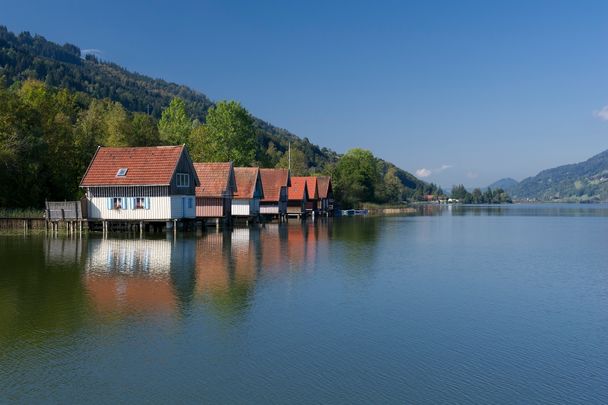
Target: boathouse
x,y
249,192
217,187
275,183
297,196
143,184
325,204
313,195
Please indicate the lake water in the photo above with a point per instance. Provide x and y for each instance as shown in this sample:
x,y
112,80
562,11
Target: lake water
x,y
470,305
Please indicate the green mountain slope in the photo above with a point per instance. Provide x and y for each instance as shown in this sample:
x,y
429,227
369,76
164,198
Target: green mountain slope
x,y
27,56
585,181
506,184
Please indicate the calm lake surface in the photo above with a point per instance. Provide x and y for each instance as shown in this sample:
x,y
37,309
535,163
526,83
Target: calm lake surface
x,y
470,305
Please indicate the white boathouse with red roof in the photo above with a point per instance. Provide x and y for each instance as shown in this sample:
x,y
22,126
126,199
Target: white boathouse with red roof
x,y
141,183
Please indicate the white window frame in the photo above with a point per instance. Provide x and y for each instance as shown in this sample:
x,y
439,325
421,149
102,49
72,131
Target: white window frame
x,y
183,180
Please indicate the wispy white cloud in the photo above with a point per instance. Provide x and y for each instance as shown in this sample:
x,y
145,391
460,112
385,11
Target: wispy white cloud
x,y
92,51
427,172
423,172
602,114
442,168
472,175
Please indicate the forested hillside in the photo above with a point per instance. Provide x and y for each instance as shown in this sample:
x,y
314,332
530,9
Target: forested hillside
x,y
506,184
585,181
56,103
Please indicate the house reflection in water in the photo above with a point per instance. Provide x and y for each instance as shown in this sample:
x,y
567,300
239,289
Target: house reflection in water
x,y
125,276
227,265
219,269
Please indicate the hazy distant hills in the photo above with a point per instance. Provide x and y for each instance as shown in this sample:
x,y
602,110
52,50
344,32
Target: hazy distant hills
x,y
506,184
25,56
586,181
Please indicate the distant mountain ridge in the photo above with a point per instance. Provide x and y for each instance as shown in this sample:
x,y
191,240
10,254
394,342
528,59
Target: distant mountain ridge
x,y
506,184
585,181
27,56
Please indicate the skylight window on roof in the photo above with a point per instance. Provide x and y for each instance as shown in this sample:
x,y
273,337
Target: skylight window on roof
x,y
122,172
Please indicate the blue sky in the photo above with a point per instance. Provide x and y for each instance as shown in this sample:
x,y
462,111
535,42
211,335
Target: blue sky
x,y
459,92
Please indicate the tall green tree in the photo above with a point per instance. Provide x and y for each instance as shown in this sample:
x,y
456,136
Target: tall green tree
x,y
356,177
144,131
390,190
175,125
117,125
227,135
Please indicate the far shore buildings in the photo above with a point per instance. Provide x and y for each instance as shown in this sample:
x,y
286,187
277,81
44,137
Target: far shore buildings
x,y
275,183
144,184
297,196
216,190
249,192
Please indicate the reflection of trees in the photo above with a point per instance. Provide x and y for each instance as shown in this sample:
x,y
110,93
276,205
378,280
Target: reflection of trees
x,y
359,236
536,210
40,287
362,230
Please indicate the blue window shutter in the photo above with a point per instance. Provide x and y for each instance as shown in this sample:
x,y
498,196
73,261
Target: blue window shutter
x,y
109,203
147,203
133,203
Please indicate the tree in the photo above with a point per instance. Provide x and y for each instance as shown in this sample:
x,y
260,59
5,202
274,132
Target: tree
x,y
476,196
228,135
391,186
299,167
117,125
273,154
356,177
144,131
174,126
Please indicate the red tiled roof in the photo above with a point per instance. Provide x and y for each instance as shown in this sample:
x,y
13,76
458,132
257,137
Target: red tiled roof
x,y
215,179
311,185
152,165
246,179
324,184
298,189
272,181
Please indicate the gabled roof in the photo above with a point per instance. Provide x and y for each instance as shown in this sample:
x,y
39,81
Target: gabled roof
x,y
325,187
246,180
217,179
311,185
272,181
298,189
146,165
